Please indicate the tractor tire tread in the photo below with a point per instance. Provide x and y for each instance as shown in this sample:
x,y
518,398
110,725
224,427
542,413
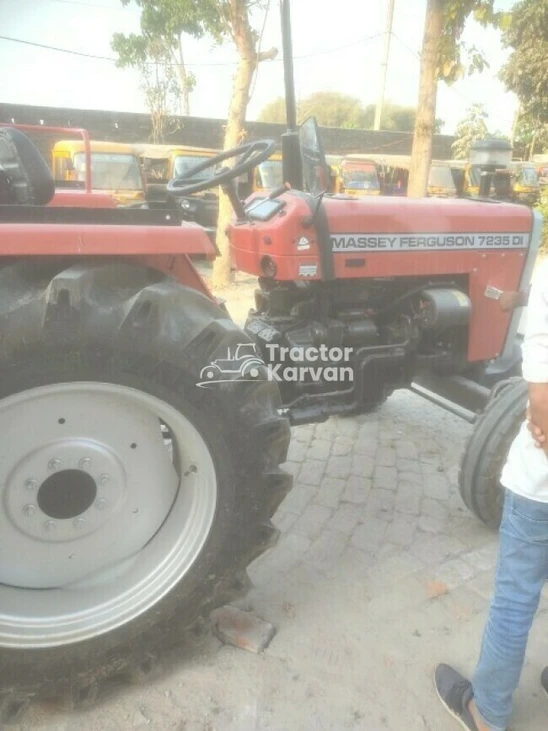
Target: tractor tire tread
x,y
131,311
486,450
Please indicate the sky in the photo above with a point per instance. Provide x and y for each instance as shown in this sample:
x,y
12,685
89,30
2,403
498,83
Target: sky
x,y
337,46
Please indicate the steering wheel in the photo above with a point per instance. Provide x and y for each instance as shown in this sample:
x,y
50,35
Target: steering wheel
x,y
248,157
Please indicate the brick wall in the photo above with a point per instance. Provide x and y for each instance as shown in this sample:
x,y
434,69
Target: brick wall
x,y
201,132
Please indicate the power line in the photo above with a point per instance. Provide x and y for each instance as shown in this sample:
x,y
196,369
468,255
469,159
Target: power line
x,y
95,56
404,44
86,5
81,54
339,48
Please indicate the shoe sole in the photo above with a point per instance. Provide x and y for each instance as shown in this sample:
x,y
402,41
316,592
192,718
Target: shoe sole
x,y
449,711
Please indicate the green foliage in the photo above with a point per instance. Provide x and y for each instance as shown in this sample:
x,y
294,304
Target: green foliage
x,y
530,137
333,109
168,20
456,59
542,206
164,23
469,130
273,112
526,72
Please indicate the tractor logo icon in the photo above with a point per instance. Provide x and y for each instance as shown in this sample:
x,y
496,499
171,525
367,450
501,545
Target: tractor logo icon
x,y
245,364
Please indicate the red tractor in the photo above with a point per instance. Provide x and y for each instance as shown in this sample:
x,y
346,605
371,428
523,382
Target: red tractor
x,y
71,194
134,491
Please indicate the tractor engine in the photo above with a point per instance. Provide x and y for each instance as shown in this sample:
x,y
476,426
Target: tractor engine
x,y
343,347
357,298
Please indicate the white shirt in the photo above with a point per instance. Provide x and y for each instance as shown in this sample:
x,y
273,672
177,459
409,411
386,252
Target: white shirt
x,y
526,468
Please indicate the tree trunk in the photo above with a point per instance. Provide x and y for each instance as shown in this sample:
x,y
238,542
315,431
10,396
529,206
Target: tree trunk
x,y
533,144
421,155
515,126
247,65
185,94
183,80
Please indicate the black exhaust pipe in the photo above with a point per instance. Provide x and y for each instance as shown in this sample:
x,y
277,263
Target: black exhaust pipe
x,y
291,152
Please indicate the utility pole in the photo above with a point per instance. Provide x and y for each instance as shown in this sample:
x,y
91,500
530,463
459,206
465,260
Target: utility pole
x,y
384,65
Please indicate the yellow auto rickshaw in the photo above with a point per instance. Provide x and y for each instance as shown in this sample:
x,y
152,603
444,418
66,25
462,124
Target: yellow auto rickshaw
x,y
162,163
541,163
442,183
269,174
334,162
525,182
468,177
358,176
114,169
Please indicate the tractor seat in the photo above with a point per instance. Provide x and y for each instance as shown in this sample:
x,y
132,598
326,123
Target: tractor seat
x,y
25,178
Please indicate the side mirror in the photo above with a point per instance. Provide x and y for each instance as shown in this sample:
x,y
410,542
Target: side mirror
x,y
313,158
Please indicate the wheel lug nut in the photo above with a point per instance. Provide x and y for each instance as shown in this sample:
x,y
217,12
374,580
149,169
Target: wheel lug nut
x,y
79,523
54,464
31,484
50,525
101,504
84,464
29,510
103,479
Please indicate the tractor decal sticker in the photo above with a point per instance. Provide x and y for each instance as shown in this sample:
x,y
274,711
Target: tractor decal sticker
x,y
245,364
283,364
429,241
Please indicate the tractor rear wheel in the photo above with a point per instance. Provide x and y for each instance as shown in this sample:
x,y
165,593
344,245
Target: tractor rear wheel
x,y
132,499
487,448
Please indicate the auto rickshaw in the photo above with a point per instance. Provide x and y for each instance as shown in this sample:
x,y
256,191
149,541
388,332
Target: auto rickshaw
x,y
525,182
334,162
441,180
541,163
114,169
269,174
358,175
162,163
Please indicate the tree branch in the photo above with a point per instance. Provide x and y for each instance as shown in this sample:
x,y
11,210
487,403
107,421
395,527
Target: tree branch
x,y
267,55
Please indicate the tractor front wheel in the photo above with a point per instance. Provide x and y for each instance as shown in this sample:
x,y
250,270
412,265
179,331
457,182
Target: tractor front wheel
x,y
487,448
132,498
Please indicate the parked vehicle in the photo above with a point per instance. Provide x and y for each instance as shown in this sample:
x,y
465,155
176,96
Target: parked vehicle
x,y
268,175
525,182
334,162
468,177
541,163
161,163
358,175
441,180
114,168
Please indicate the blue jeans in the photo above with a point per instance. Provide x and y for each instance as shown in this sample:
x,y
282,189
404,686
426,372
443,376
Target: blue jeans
x,y
521,572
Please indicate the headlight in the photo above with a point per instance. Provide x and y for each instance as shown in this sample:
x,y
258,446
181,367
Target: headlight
x,y
186,204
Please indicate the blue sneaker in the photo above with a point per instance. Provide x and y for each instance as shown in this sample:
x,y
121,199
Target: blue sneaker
x,y
455,692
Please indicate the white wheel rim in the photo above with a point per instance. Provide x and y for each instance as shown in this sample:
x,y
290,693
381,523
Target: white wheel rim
x,y
108,496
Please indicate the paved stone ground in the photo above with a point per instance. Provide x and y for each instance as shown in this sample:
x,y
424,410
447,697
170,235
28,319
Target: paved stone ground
x,y
380,573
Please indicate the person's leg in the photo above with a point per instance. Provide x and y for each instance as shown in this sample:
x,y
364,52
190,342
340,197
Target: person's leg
x,y
521,573
486,703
